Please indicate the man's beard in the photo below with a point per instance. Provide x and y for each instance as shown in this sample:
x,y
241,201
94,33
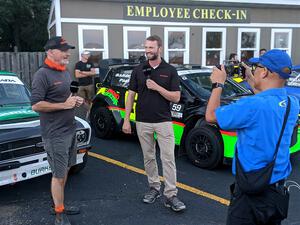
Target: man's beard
x,y
64,62
153,57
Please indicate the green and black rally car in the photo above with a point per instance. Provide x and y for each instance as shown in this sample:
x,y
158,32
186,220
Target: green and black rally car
x,y
206,145
22,155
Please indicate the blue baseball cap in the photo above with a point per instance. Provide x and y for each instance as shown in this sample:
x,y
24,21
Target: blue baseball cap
x,y
277,61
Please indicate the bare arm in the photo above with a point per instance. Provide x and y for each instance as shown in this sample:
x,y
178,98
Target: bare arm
x,y
212,105
71,102
81,74
217,76
172,96
128,107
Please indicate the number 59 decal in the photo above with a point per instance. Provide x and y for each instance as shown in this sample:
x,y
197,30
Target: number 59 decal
x,y
177,110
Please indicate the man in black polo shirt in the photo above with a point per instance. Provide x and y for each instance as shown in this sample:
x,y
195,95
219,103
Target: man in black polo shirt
x,y
157,84
84,72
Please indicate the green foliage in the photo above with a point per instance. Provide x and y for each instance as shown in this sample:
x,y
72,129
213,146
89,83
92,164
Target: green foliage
x,y
23,23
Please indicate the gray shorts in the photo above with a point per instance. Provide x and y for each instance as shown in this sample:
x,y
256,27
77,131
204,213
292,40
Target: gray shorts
x,y
61,154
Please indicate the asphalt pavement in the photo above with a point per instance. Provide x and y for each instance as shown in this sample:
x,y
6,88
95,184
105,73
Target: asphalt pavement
x,y
109,192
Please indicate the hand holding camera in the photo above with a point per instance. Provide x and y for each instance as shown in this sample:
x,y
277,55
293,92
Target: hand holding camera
x,y
218,75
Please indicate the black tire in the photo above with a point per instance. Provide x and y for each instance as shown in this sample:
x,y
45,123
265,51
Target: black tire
x,y
204,147
79,167
103,122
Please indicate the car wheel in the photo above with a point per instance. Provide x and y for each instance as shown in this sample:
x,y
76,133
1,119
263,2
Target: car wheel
x,y
204,147
79,167
103,122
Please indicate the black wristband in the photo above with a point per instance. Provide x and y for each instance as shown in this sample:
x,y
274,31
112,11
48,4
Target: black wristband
x,y
216,85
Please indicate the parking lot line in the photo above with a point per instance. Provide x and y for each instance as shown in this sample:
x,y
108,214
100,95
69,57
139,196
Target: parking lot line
x,y
178,184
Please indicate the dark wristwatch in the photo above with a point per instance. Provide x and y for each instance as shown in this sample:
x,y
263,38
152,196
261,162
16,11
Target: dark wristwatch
x,y
216,85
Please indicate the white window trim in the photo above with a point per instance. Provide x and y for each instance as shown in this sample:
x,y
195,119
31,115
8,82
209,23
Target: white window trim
x,y
93,27
204,49
257,47
125,39
289,31
186,50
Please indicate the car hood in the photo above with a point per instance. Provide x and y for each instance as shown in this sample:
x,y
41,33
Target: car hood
x,y
9,113
24,129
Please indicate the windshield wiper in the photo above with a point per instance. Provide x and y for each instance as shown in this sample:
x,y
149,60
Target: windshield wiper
x,y
238,95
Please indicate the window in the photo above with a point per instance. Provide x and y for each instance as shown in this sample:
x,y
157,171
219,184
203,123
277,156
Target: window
x,y
282,39
213,46
134,38
176,45
121,78
95,40
248,43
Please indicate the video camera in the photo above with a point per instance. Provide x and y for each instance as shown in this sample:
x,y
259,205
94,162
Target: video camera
x,y
234,69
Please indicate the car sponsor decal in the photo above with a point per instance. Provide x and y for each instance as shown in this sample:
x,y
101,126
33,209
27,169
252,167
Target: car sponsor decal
x,y
177,110
10,80
41,170
110,93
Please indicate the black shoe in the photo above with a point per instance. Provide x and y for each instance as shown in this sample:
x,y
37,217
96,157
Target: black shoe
x,y
69,210
175,204
151,196
62,219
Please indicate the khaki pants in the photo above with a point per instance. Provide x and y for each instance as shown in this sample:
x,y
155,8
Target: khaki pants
x,y
86,92
165,138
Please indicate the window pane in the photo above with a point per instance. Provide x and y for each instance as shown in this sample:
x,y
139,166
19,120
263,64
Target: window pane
x,y
136,39
93,39
213,40
176,57
248,40
281,40
95,57
176,40
246,55
136,56
212,58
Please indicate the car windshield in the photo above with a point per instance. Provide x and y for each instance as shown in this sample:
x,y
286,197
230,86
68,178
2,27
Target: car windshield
x,y
201,83
12,94
294,80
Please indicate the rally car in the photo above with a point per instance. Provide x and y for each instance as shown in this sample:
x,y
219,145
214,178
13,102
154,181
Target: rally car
x,y
206,145
293,84
22,155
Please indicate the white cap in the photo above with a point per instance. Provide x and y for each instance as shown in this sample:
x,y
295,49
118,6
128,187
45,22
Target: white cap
x,y
85,53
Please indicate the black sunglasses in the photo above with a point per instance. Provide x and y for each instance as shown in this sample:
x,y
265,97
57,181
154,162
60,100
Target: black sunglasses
x,y
254,67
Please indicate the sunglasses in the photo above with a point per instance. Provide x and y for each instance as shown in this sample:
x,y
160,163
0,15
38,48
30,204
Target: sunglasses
x,y
255,66
284,70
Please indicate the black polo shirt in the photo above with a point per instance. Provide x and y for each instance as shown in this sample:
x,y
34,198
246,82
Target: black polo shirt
x,y
84,66
151,106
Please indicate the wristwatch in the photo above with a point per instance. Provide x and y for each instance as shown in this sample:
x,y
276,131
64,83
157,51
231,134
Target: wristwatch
x,y
216,85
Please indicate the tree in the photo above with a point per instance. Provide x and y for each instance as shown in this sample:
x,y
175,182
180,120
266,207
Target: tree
x,y
23,24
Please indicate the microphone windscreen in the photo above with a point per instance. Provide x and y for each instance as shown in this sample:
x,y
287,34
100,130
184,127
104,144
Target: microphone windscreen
x,y
147,70
74,87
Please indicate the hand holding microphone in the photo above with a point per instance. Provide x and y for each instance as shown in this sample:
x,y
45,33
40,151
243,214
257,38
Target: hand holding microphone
x,y
73,99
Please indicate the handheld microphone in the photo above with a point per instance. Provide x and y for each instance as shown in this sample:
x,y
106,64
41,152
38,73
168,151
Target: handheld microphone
x,y
74,87
147,71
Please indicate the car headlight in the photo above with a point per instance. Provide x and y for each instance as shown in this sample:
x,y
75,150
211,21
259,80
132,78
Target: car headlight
x,y
82,137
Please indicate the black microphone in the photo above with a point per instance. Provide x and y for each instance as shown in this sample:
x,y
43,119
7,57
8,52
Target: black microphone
x,y
147,71
74,87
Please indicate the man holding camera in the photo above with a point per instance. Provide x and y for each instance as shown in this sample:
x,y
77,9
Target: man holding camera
x,y
51,97
258,121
